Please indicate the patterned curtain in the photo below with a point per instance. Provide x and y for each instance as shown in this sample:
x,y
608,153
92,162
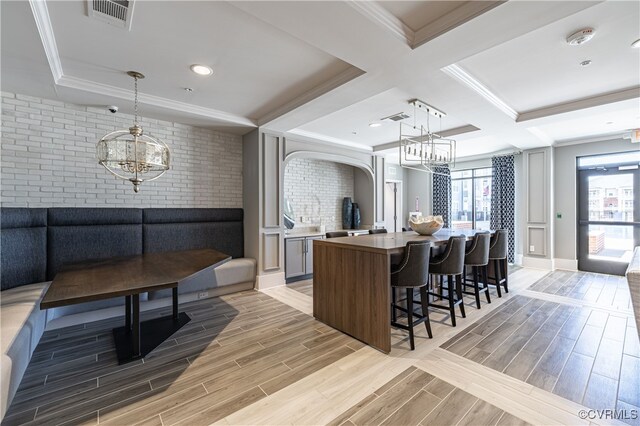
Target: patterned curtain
x,y
503,199
442,194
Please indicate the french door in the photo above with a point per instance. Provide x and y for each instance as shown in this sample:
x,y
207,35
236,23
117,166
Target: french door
x,y
608,217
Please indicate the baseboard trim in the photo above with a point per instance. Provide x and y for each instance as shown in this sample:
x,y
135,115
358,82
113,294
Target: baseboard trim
x,y
537,263
566,264
270,280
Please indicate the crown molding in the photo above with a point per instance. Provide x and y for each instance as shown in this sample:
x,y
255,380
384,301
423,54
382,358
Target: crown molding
x,y
117,92
317,137
594,101
451,20
45,29
470,81
599,138
385,19
308,96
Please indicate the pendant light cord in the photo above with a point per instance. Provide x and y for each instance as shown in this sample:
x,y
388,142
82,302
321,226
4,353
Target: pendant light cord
x,y
135,104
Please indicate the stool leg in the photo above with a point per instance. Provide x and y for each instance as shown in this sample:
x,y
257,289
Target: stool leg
x,y
425,310
460,296
497,274
410,316
505,270
476,289
485,280
440,289
393,304
452,306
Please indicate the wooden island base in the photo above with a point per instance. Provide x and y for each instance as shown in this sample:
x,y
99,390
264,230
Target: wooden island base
x,y
351,281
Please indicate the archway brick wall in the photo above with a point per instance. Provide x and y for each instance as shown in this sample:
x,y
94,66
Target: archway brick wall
x,y
315,189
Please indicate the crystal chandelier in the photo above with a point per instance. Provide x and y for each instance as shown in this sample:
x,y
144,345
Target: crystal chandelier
x,y
132,154
422,150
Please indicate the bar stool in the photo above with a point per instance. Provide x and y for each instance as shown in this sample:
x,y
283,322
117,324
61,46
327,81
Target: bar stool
x,y
498,250
336,234
412,273
450,264
477,256
377,231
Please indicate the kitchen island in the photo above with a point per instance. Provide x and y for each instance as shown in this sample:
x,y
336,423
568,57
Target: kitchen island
x,y
351,282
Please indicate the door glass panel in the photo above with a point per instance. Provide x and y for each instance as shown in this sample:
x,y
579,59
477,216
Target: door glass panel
x,y
483,202
611,243
461,213
611,198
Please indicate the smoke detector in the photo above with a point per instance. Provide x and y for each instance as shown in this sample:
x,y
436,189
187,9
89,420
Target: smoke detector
x,y
581,37
113,12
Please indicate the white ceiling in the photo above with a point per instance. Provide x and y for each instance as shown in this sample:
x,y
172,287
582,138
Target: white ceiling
x,y
540,69
328,69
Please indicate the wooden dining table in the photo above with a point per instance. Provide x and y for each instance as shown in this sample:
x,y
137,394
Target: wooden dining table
x,y
352,281
129,277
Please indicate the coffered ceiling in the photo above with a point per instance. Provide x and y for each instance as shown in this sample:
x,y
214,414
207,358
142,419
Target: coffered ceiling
x,y
502,71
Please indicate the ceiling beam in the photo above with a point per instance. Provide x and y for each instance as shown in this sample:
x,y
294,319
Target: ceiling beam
x,y
594,101
445,134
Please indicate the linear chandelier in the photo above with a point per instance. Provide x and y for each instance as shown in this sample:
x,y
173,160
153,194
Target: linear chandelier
x,y
422,150
132,154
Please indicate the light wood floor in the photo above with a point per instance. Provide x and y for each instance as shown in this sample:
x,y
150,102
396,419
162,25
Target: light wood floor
x,y
260,358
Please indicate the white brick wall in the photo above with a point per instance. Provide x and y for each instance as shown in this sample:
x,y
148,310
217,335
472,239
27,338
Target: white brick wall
x,y
48,159
315,189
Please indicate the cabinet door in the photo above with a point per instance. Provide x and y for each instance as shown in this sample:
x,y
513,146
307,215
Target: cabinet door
x,y
309,260
294,257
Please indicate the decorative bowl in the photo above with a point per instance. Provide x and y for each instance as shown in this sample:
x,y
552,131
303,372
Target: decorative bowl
x,y
427,225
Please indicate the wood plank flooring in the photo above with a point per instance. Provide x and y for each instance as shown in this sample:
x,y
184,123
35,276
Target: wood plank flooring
x,y
260,358
585,355
415,397
236,350
304,287
605,290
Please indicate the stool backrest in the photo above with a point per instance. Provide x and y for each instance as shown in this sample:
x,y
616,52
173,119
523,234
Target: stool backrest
x,y
478,254
377,231
413,271
452,261
499,245
336,234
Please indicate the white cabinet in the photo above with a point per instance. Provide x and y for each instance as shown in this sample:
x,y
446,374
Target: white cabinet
x,y
299,256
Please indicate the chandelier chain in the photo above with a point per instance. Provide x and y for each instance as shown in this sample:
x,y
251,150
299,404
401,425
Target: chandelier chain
x,y
135,102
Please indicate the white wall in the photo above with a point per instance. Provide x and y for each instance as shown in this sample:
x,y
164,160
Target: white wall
x,y
565,188
48,155
316,189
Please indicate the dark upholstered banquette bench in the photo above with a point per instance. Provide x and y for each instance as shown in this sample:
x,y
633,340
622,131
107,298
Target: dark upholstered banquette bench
x,y
36,242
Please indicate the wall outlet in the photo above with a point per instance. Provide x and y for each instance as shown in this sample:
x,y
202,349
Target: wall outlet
x,y
203,294
532,249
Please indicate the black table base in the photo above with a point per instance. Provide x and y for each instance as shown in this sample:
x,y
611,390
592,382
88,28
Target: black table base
x,y
153,333
136,339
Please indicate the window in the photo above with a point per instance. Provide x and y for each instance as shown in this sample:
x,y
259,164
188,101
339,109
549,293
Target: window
x,y
471,198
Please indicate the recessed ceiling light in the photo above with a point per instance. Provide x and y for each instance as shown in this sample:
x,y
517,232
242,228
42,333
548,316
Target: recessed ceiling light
x,y
581,37
586,63
375,124
636,44
354,133
609,122
188,89
201,69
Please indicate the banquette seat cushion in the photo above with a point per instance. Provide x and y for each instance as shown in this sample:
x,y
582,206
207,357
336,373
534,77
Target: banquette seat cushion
x,y
22,326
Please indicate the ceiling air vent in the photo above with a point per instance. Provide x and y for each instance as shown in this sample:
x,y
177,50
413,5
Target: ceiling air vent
x,y
396,117
114,12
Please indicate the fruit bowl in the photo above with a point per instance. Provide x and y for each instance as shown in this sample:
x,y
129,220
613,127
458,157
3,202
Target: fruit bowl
x,y
427,225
